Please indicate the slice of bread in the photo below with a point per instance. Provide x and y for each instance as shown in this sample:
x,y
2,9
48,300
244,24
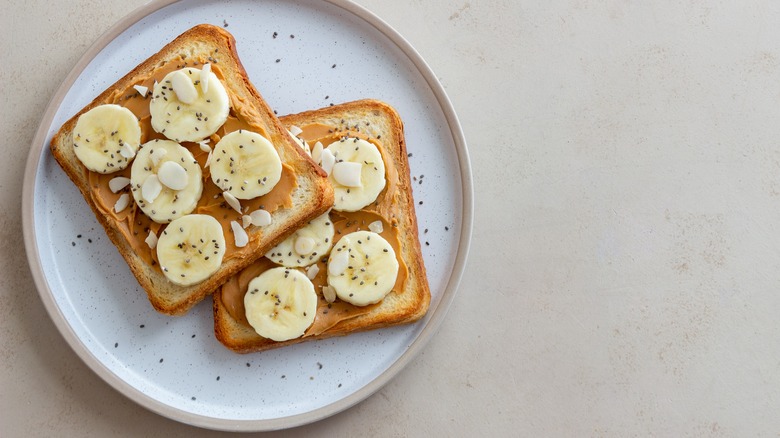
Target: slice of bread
x,y
406,303
310,196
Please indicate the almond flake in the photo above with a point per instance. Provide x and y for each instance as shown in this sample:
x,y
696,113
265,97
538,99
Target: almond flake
x,y
316,152
122,203
260,218
151,240
172,175
232,201
118,183
312,271
239,234
329,294
327,161
347,173
183,87
376,227
126,151
156,155
141,90
151,188
204,77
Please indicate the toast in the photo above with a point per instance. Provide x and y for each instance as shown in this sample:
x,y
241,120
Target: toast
x,y
409,299
302,193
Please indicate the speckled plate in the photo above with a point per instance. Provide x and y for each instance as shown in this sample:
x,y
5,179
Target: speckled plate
x,y
328,51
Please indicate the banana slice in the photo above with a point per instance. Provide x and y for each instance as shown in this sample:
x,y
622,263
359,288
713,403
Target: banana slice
x,y
184,111
280,304
358,174
166,180
306,245
106,138
362,268
191,248
245,164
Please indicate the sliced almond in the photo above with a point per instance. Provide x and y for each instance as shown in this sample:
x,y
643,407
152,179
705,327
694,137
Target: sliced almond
x,y
329,294
312,271
151,240
239,234
122,203
118,183
151,188
347,173
204,145
172,175
246,220
327,161
141,90
260,218
300,142
316,152
294,130
157,154
126,151
183,87
204,77
232,201
376,227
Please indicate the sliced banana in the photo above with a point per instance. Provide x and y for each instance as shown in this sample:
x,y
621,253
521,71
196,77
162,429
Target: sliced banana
x,y
166,180
357,175
191,248
306,245
245,164
106,138
362,268
184,111
280,304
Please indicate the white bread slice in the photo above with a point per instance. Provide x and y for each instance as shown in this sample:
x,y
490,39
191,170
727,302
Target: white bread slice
x,y
313,195
404,306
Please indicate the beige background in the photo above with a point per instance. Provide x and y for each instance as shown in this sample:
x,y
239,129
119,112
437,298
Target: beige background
x,y
624,275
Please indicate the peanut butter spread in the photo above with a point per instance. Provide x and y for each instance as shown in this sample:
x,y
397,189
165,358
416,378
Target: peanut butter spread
x,y
135,225
385,209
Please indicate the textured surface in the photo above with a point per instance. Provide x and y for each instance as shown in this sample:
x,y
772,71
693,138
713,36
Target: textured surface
x,y
172,361
623,276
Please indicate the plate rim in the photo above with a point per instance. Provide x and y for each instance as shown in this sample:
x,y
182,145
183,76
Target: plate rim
x,y
35,155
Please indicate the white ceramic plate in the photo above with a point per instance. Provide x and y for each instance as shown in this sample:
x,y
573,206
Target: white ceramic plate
x,y
174,366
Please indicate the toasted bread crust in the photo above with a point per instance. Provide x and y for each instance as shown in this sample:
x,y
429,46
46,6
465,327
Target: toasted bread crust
x,y
408,305
313,196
